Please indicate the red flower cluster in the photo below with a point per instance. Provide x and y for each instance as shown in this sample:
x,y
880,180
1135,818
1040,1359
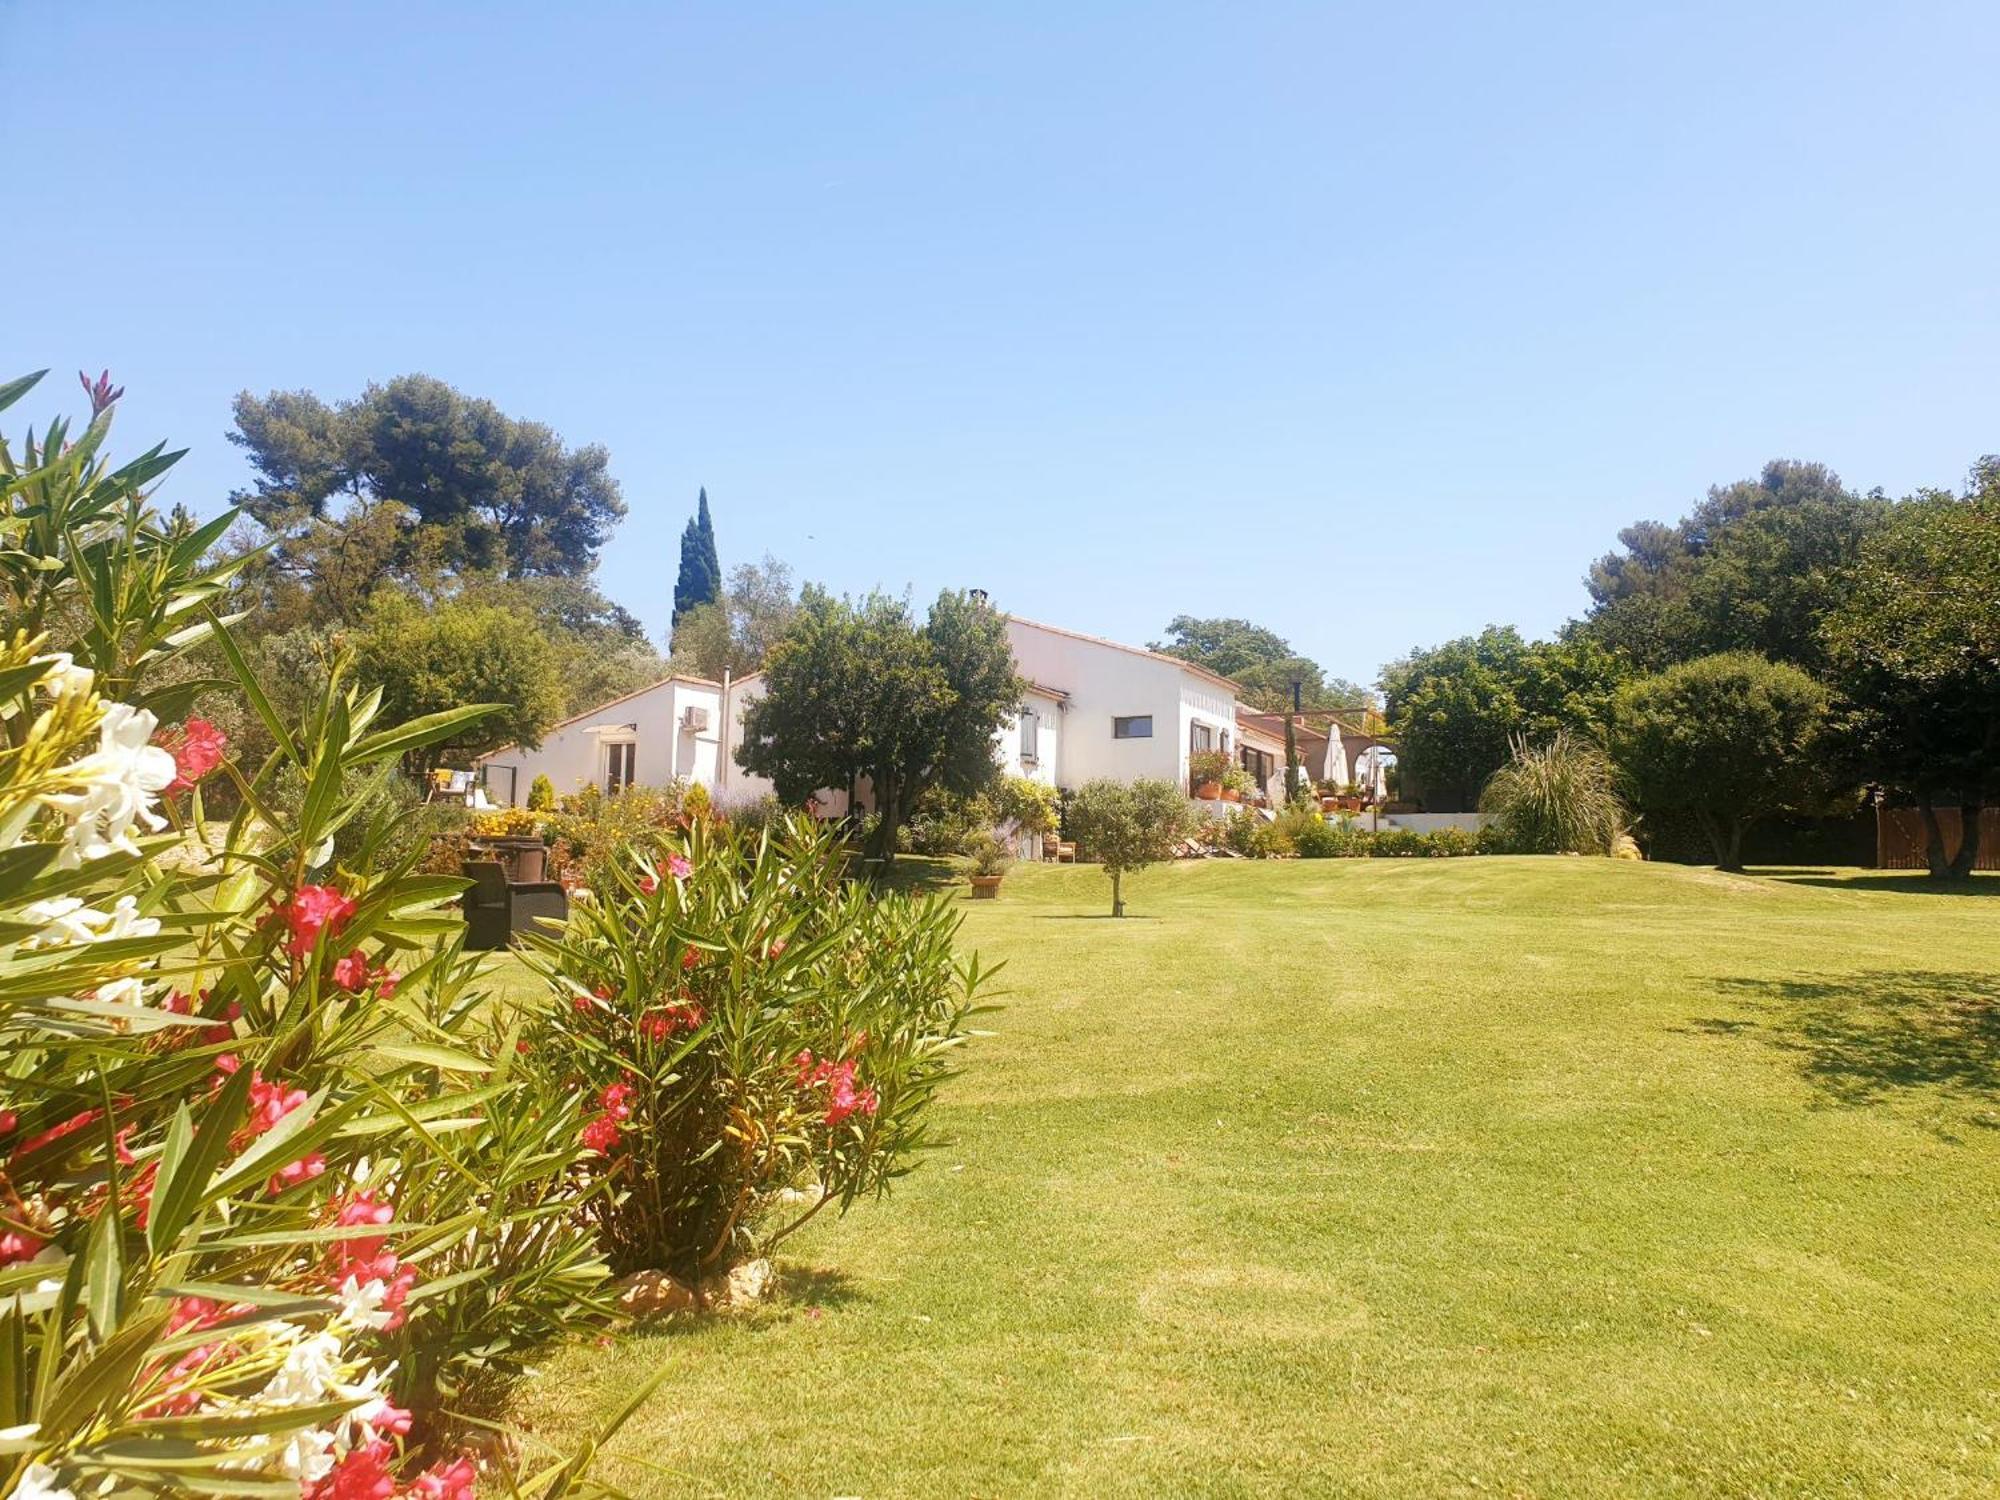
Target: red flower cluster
x,y
17,1245
356,973
602,1134
269,1103
679,1015
312,910
366,1473
197,748
843,1097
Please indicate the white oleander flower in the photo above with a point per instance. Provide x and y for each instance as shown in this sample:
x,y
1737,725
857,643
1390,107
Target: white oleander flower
x,y
115,788
65,920
122,992
39,1482
308,1455
361,1303
64,675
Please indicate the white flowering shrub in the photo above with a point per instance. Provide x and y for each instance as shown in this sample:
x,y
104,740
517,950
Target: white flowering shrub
x,y
271,1191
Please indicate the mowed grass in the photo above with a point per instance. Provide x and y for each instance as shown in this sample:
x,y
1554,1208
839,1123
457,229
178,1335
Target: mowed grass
x,y
1391,1178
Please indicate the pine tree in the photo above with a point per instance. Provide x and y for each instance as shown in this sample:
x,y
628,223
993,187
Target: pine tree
x,y
700,580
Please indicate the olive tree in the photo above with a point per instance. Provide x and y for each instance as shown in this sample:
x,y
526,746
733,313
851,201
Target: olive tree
x,y
1126,826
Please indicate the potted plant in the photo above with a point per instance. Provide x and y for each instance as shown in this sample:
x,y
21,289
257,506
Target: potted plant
x,y
1206,768
1237,784
990,857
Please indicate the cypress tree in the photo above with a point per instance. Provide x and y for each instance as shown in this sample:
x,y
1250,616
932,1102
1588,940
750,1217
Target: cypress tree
x,y
700,580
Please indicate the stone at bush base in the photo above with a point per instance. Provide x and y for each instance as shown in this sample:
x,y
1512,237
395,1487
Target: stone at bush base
x,y
647,1294
744,1286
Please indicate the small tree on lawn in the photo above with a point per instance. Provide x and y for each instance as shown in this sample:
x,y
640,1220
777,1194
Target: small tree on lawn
x,y
1728,737
1126,827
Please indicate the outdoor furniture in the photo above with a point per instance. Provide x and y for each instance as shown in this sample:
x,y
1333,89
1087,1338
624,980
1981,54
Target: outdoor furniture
x,y
496,908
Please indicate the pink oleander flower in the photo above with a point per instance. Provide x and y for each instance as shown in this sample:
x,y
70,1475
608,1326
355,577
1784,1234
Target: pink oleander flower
x,y
600,1135
351,972
293,1173
678,866
315,909
361,1211
54,1133
613,1101
197,748
843,1098
17,1246
457,1480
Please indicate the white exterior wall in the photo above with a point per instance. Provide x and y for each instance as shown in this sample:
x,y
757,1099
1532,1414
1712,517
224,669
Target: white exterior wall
x,y
572,756
1050,712
1106,682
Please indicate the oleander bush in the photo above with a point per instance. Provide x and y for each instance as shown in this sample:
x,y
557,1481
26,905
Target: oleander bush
x,y
271,1186
755,1034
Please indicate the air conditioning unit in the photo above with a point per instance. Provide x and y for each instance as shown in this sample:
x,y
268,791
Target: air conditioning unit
x,y
694,719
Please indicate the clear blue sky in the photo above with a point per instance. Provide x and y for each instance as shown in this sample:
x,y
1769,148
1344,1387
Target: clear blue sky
x,y
1370,323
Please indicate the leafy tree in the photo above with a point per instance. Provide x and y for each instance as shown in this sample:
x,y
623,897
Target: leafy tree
x,y
700,580
859,691
1915,653
1754,567
1457,709
735,633
1126,826
541,794
1730,737
600,647
437,479
430,658
1261,662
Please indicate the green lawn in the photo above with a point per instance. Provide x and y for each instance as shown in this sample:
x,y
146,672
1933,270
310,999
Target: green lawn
x,y
1389,1178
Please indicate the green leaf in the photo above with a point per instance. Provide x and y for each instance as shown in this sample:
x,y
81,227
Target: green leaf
x,y
14,390
448,1058
418,732
177,1192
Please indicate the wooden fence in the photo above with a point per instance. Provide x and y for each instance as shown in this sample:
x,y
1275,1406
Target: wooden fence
x,y
1900,838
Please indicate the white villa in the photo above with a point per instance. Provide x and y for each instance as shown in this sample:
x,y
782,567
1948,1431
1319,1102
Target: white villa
x,y
1093,708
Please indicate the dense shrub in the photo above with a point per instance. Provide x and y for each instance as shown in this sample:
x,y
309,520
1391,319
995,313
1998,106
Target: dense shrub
x,y
262,1153
1730,738
590,832
1557,797
541,793
756,1037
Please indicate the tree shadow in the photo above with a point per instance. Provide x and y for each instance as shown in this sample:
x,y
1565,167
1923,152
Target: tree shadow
x,y
815,1286
1093,916
915,873
1861,1039
1909,885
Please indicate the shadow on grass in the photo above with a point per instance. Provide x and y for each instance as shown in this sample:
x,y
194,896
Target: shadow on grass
x,y
1863,1038
1093,916
1909,885
911,872
815,1286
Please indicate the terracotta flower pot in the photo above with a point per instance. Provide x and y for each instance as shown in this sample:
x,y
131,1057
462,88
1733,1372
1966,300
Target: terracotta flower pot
x,y
1209,791
986,887
1231,795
